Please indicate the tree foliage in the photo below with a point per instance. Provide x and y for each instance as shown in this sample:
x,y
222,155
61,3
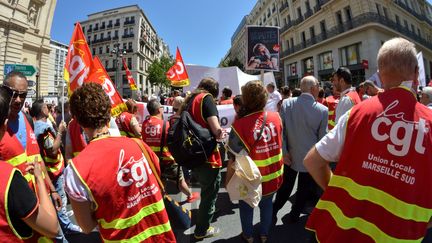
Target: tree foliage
x,y
232,63
157,71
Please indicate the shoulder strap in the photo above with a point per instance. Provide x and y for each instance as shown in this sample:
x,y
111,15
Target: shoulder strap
x,y
190,102
146,154
162,144
262,129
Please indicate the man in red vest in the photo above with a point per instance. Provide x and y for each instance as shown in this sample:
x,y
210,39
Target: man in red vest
x,y
380,190
111,183
18,147
127,122
152,133
342,82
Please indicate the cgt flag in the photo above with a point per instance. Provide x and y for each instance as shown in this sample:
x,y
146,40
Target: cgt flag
x,y
177,73
78,60
131,81
99,75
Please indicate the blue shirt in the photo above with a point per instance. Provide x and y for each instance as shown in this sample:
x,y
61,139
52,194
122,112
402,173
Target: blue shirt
x,y
18,128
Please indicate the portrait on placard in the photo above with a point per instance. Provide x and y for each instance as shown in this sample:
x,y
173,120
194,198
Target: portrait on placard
x,y
262,48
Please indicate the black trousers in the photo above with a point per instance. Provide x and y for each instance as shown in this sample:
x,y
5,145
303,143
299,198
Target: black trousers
x,y
307,189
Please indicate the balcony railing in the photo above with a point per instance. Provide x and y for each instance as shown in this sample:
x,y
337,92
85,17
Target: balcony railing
x,y
308,13
117,24
358,21
129,22
283,7
421,17
128,36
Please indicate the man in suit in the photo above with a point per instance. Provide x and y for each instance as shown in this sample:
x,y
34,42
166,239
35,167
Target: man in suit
x,y
305,123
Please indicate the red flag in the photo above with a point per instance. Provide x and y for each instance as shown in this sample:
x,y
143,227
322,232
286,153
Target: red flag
x,y
78,60
131,81
177,73
99,75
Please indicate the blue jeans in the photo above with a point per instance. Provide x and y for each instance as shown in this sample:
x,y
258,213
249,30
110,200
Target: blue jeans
x,y
246,216
64,220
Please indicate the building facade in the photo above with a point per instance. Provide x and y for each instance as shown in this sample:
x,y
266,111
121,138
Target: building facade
x,y
25,28
124,32
318,36
56,67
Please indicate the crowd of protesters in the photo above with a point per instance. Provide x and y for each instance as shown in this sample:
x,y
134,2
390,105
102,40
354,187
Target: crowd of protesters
x,y
337,146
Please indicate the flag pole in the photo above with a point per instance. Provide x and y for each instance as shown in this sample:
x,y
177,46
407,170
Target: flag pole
x,y
62,99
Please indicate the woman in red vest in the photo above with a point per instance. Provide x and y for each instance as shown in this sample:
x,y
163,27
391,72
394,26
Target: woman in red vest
x,y
111,183
265,149
127,122
203,110
20,212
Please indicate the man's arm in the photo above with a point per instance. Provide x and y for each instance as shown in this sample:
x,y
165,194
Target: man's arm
x,y
84,215
285,152
318,168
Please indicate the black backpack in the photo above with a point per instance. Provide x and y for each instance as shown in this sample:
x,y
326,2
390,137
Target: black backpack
x,y
188,142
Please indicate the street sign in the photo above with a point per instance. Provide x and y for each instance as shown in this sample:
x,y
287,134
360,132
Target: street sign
x,y
27,70
31,83
31,92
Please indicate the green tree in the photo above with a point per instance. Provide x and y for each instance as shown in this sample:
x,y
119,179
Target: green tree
x,y
232,63
157,71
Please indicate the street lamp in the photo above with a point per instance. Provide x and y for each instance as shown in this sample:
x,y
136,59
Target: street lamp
x,y
118,54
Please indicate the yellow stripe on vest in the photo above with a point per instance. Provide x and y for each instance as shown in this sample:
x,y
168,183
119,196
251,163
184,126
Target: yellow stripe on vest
x,y
157,149
54,169
331,122
133,220
392,204
17,160
269,161
273,175
357,223
331,112
149,232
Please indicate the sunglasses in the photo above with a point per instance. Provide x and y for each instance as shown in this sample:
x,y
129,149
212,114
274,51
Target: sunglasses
x,y
15,93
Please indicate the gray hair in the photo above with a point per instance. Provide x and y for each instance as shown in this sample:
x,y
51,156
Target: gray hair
x,y
428,92
307,83
398,56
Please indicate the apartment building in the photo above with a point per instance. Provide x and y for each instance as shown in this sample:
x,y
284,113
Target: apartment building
x,y
127,33
318,36
57,59
25,28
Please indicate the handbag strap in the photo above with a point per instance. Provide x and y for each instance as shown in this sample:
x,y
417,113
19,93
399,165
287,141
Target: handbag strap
x,y
261,131
147,156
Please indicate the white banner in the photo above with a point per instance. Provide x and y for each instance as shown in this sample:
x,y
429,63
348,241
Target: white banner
x,y
422,73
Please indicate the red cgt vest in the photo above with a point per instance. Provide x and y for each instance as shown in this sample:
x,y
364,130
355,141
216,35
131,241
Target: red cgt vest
x,y
123,122
115,170
380,192
354,97
7,231
77,139
267,152
331,103
54,164
13,152
196,112
151,133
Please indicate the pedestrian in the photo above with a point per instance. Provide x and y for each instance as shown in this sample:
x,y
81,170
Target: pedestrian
x,y
265,150
342,82
304,122
273,98
19,148
154,129
111,183
226,98
49,142
380,189
371,89
331,103
203,111
127,122
426,97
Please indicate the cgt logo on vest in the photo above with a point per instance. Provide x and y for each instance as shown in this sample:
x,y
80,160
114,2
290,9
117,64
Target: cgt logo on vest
x,y
269,131
133,171
153,130
399,146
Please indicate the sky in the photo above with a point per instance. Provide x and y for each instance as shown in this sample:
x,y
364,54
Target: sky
x,y
202,29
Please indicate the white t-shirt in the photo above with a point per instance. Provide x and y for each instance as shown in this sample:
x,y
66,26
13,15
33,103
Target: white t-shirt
x,y
344,104
273,100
